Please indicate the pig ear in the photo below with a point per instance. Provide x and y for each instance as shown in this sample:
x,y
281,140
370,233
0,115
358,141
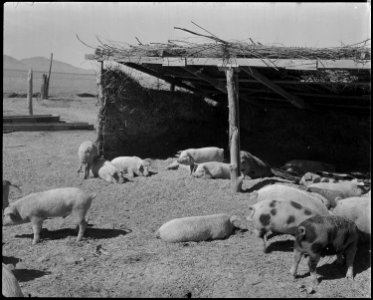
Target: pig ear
x,y
191,158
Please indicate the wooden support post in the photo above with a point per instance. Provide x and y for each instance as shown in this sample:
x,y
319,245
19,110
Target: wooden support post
x,y
101,113
49,77
29,92
234,128
43,88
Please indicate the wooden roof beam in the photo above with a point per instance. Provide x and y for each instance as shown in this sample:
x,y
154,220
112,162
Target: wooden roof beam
x,y
169,79
217,85
279,90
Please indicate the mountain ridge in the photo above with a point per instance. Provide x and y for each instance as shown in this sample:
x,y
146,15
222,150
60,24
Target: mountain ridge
x,y
41,64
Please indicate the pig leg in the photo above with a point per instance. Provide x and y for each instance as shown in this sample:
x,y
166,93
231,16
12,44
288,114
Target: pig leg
x,y
80,168
36,228
131,173
82,226
350,256
86,171
312,263
262,233
297,258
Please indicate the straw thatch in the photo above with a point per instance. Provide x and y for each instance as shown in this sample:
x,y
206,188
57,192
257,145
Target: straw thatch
x,y
359,52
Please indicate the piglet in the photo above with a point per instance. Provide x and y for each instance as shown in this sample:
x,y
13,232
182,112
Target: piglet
x,y
107,171
87,154
60,202
325,235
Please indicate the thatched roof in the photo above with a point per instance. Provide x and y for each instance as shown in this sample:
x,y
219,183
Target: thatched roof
x,y
339,76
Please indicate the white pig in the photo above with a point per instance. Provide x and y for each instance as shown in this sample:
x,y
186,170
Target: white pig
x,y
193,156
10,286
87,154
356,209
107,171
60,202
280,192
213,169
347,188
132,165
198,228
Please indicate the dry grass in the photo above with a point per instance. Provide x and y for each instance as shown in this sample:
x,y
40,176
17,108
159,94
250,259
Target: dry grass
x,y
132,262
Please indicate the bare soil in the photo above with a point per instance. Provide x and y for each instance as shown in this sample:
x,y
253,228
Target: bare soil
x,y
120,256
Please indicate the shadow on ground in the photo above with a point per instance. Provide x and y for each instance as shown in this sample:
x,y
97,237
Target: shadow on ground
x,y
331,271
95,233
24,275
284,246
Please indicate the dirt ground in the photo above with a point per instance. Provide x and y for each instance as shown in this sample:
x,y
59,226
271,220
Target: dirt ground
x,y
120,256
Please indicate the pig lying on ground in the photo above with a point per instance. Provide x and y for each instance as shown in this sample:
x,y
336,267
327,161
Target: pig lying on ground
x,y
198,228
107,171
273,217
6,185
10,286
59,202
356,209
350,188
213,169
366,195
331,195
87,153
132,165
281,192
325,235
301,166
193,156
253,166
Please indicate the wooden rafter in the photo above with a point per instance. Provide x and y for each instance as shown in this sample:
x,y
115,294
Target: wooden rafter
x,y
168,79
217,85
279,90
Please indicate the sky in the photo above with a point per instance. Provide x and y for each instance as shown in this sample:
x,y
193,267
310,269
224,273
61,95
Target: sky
x,y
39,28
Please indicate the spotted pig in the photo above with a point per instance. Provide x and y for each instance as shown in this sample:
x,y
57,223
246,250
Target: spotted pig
x,y
273,217
325,235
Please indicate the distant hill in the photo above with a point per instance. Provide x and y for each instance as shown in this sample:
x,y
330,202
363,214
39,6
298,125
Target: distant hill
x,y
41,64
10,63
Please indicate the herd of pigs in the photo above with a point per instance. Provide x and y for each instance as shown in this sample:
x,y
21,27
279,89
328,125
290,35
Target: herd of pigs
x,y
328,213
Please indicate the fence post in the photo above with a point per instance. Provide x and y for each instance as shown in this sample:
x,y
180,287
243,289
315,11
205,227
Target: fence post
x,y
29,92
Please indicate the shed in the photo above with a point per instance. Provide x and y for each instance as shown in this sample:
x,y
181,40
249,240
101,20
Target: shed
x,y
312,81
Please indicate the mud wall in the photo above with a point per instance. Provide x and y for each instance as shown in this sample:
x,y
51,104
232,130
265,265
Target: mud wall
x,y
150,123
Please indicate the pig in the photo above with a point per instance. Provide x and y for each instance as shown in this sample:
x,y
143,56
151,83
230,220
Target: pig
x,y
301,166
6,185
346,188
132,165
331,195
273,217
107,171
194,156
286,192
60,202
366,195
87,154
253,166
213,169
309,178
356,209
198,228
10,286
325,235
